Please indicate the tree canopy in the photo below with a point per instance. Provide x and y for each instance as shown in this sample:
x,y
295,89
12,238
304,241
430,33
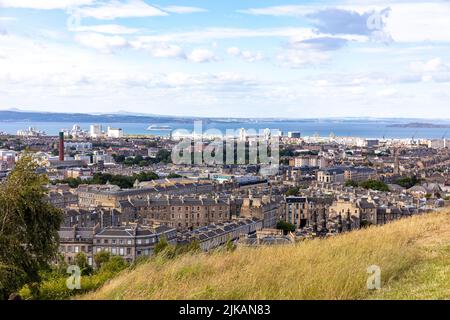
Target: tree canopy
x,y
28,228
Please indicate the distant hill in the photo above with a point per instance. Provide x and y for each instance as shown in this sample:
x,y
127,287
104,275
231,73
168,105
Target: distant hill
x,y
413,255
16,116
419,125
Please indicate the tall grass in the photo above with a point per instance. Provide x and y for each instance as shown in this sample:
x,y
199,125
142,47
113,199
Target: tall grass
x,y
334,268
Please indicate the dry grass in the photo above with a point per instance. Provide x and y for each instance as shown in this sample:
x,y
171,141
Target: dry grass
x,y
334,268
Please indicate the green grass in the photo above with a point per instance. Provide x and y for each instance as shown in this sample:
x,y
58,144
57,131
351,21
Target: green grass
x,y
413,255
429,279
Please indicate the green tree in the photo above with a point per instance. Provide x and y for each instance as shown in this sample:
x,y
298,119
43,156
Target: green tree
x,y
285,226
374,185
28,228
82,262
114,265
174,176
292,191
101,257
351,183
230,246
164,156
408,182
161,245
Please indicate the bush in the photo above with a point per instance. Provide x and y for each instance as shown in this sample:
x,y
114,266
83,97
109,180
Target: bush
x,y
100,258
285,226
292,191
374,185
161,245
82,262
54,284
114,265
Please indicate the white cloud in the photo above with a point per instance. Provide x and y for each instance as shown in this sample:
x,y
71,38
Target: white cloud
x,y
388,92
159,49
245,55
301,58
183,9
44,4
418,22
433,65
105,44
287,10
213,34
408,21
106,28
116,9
7,19
201,56
432,70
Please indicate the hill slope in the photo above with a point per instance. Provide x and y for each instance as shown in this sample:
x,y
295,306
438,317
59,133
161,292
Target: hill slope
x,y
413,254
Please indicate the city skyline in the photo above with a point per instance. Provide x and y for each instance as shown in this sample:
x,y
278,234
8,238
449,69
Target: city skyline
x,y
284,59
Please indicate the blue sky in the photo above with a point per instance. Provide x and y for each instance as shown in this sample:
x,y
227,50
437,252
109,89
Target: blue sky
x,y
293,59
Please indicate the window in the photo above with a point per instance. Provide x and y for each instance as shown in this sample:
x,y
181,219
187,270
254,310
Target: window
x,y
128,251
113,251
105,241
113,241
121,251
138,241
128,241
121,241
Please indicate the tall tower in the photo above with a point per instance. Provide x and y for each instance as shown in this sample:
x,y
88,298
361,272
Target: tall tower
x,y
396,161
61,146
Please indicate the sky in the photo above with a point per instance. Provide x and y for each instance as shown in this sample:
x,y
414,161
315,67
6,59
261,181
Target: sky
x,y
233,58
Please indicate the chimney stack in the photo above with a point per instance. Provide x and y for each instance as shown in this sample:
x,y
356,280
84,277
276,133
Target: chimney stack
x,y
61,146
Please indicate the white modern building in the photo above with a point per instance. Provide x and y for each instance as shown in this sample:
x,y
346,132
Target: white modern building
x,y
115,133
96,131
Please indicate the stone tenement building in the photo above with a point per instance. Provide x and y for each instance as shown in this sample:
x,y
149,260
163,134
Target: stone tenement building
x,y
307,211
215,235
341,174
90,196
343,212
128,242
180,212
266,208
187,213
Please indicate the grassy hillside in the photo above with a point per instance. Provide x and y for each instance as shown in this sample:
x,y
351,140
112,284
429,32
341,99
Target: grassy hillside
x,y
414,256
